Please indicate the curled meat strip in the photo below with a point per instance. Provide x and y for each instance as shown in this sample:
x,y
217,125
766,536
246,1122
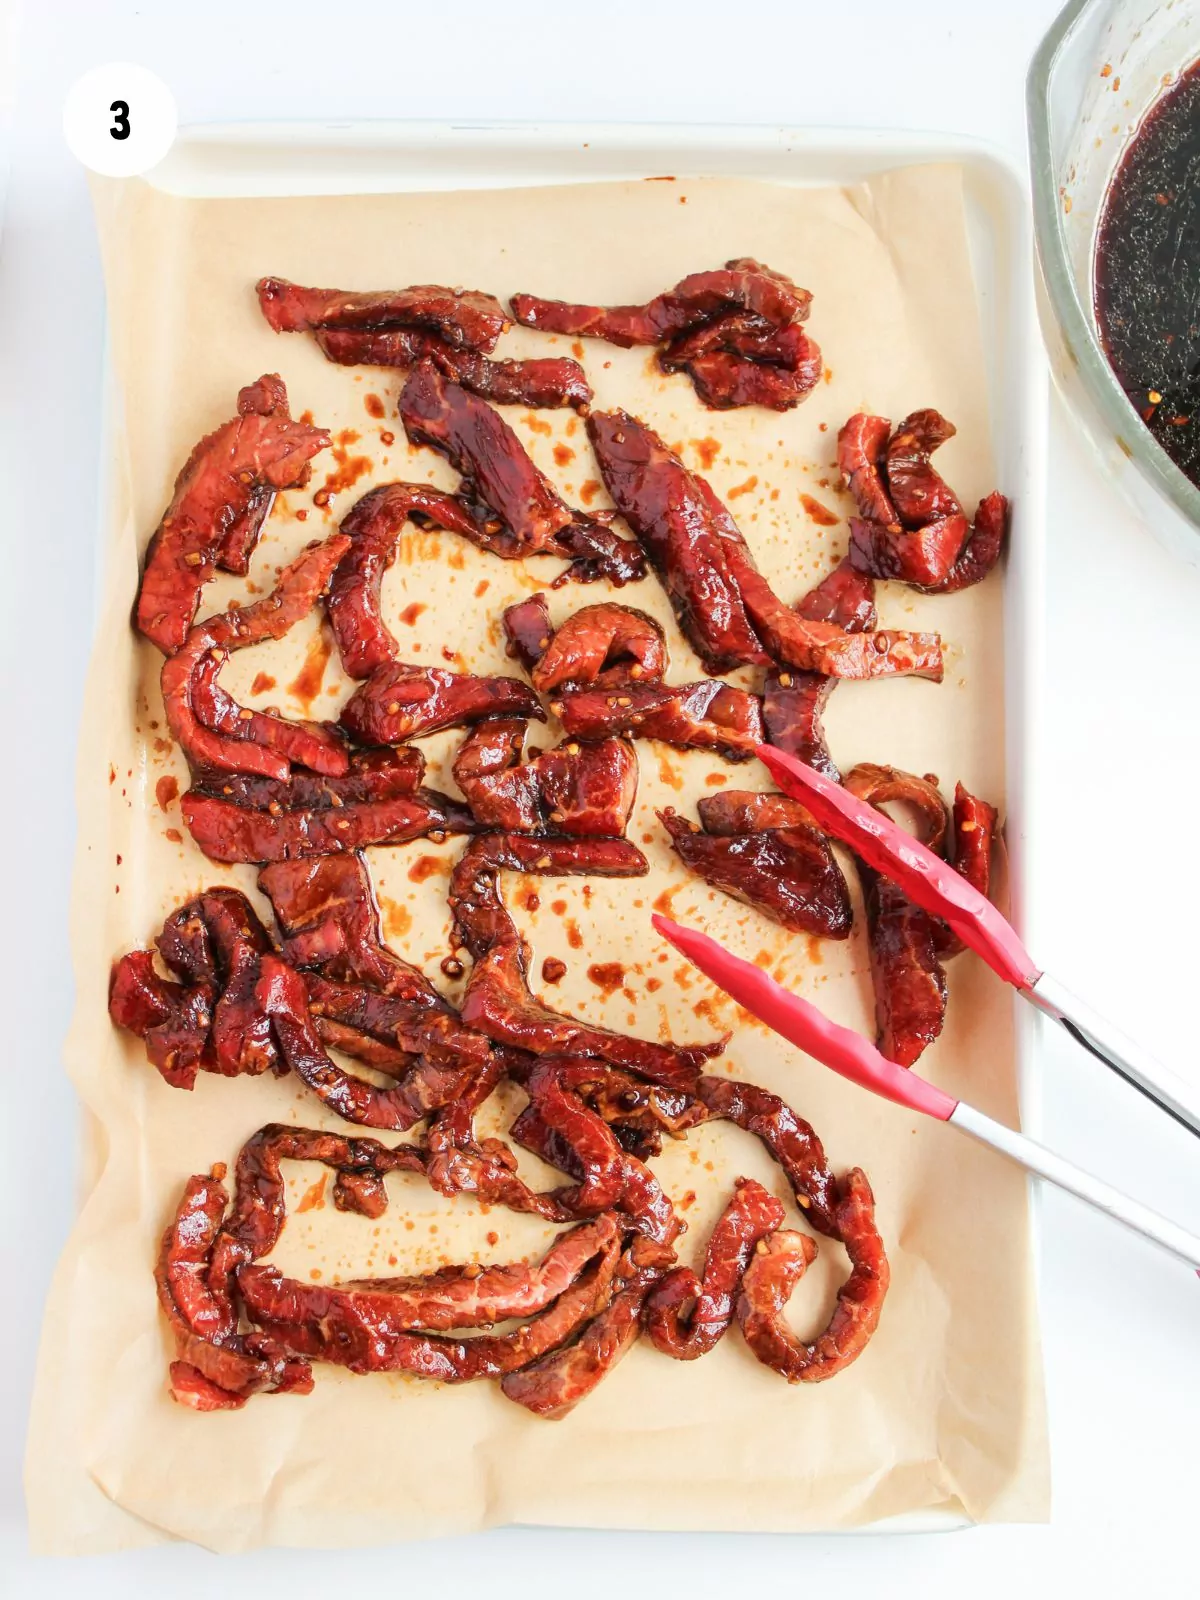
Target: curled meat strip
x,y
686,1315
400,701
790,1140
373,527
779,1263
794,701
498,1001
912,526
734,330
498,471
725,606
551,383
788,873
576,789
379,800
465,319
173,1020
908,945
221,500
212,730
329,916
605,664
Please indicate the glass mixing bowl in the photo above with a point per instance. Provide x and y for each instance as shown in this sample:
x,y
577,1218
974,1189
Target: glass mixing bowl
x,y
1094,77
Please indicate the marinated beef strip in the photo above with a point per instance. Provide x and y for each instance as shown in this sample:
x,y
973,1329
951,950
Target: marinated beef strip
x,y
212,730
221,499
725,606
582,790
790,1141
911,526
373,526
736,332
794,701
603,646
173,1020
402,701
498,1001
498,471
908,945
527,630
543,384
686,1315
229,832
691,716
465,319
779,1263
789,874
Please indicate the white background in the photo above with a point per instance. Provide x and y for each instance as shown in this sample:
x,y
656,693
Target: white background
x,y
1121,1323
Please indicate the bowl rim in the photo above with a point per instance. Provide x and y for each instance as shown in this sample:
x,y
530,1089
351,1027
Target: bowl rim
x,y
1099,381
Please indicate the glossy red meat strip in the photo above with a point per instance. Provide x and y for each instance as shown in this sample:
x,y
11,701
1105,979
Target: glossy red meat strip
x,y
381,774
724,605
373,527
463,318
743,360
686,1315
227,832
329,916
778,1266
912,526
528,630
172,1019
418,1020
551,383
789,874
400,701
789,1139
707,715
577,789
221,499
255,746
793,700
601,646
534,519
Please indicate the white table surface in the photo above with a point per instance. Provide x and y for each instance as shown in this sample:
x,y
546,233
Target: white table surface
x,y
1121,1324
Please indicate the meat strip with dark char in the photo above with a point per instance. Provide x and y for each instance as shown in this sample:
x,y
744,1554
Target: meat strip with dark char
x,y
911,525
736,332
542,384
497,470
789,874
498,1001
221,499
577,789
908,945
793,700
686,1315
238,740
401,701
725,606
777,1266
463,318
373,526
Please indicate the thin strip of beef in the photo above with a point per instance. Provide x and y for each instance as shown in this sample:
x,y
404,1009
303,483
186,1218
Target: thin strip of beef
x,y
420,1022
789,874
329,916
574,789
221,499
173,1020
790,1140
473,1296
708,715
793,700
373,775
542,384
861,453
528,630
740,360
779,1264
320,746
921,557
981,551
974,833
733,811
477,441
685,1315
341,1333
464,318
218,937
228,832
917,490
281,993
373,526
400,701
555,1384
498,1001
741,285
299,587
602,646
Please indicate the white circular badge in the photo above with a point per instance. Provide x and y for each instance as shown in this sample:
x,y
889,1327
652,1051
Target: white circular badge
x,y
120,119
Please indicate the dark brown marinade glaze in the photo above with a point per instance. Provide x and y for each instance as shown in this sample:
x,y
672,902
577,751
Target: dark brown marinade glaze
x,y
221,499
1147,272
498,471
724,605
464,318
402,701
544,384
578,789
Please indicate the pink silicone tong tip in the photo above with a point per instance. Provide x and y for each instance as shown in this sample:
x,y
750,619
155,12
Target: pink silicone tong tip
x,y
926,879
796,1020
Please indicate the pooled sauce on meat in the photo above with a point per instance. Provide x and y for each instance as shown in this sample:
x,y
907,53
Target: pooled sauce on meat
x,y
1147,272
